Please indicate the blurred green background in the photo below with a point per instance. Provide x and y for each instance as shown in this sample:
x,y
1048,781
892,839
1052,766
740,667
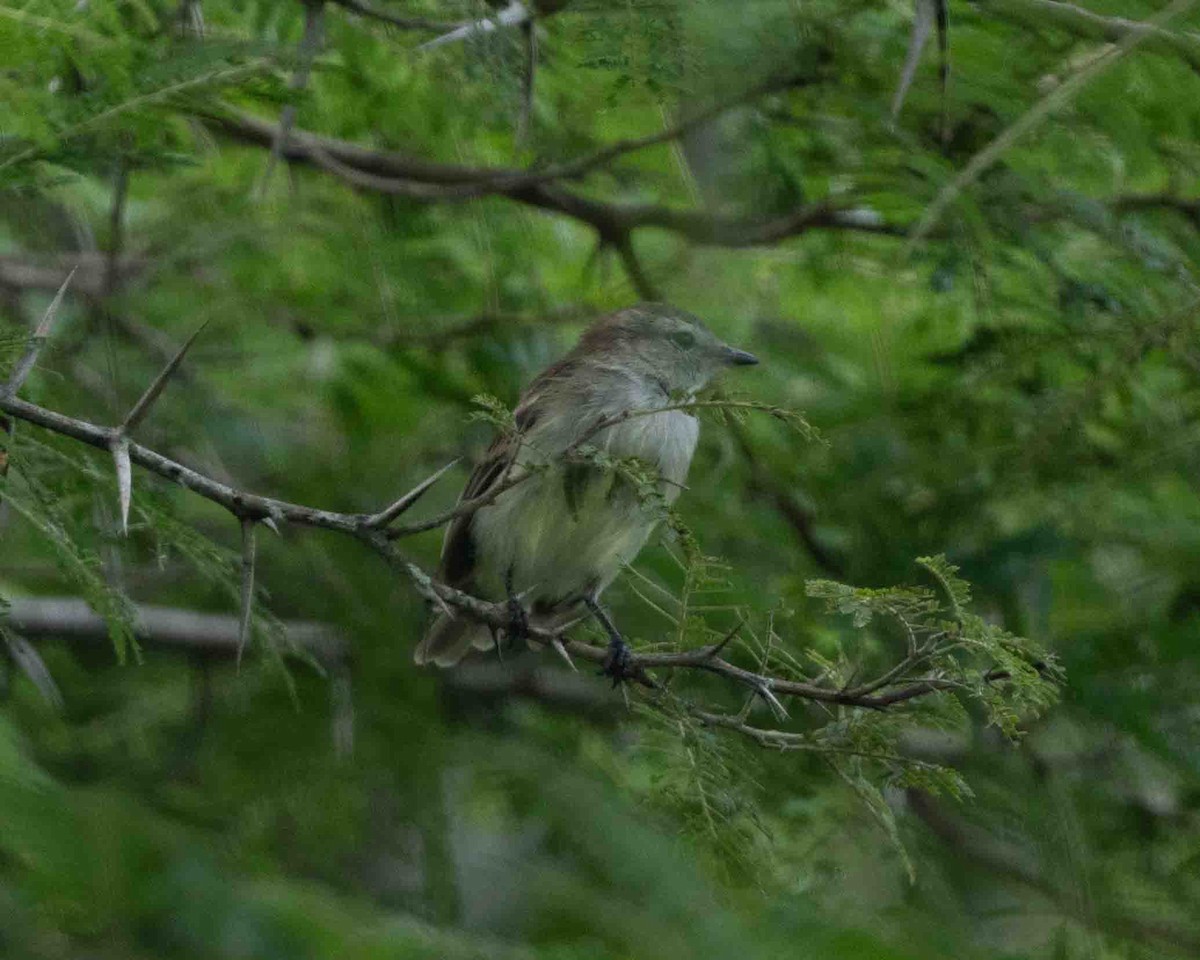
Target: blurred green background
x,y
1016,389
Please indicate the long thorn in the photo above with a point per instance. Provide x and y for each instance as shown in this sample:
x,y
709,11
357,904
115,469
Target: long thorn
x,y
923,17
557,644
512,15
40,334
142,407
120,452
248,558
384,517
33,666
780,711
725,640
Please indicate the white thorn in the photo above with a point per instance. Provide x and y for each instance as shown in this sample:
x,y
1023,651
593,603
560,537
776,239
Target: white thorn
x,y
120,452
557,644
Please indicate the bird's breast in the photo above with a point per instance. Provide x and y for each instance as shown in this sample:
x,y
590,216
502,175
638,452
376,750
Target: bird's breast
x,y
569,528
665,441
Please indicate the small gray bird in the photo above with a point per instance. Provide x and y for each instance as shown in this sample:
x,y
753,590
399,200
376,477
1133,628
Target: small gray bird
x,y
557,539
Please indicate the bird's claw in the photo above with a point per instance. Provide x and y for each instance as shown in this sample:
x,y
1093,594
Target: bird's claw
x,y
518,621
619,663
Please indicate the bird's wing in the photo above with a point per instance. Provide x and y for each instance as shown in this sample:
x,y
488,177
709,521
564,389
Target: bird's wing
x,y
458,549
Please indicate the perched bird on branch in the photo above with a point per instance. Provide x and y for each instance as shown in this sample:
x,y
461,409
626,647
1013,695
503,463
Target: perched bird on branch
x,y
551,542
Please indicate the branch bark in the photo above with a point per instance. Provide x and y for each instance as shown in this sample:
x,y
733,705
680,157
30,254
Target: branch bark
x,y
425,181
21,272
249,507
207,634
1095,26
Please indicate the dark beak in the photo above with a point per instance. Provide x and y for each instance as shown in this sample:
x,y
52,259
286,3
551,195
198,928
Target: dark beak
x,y
739,358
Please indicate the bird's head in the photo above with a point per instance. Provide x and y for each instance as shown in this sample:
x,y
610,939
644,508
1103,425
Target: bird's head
x,y
662,343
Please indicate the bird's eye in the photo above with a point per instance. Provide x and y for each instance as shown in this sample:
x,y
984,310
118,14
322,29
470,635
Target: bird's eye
x,y
683,338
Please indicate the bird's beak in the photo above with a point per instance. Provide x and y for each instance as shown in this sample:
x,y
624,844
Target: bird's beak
x,y
739,358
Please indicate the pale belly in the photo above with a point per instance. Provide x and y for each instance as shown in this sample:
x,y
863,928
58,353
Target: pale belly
x,y
563,536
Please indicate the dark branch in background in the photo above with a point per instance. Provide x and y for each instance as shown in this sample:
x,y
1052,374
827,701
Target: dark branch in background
x,y
980,850
527,676
1081,22
402,23
401,167
1189,208
641,281
116,230
942,11
525,117
19,272
204,634
798,516
306,53
421,180
201,636
1053,101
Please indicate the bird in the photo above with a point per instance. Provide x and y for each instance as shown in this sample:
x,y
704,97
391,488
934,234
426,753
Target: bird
x,y
550,543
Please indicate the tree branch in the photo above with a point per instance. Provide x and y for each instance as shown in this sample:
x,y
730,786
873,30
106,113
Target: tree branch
x,y
306,53
1095,26
422,180
645,287
1189,208
980,849
250,507
403,23
20,272
210,634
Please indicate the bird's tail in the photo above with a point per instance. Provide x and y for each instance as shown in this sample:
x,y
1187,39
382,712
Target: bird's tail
x,y
448,640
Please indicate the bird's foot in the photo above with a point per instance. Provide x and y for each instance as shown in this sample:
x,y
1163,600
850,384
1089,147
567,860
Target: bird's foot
x,y
619,663
518,621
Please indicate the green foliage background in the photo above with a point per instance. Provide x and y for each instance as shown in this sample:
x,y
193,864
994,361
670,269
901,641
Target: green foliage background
x,y
1018,391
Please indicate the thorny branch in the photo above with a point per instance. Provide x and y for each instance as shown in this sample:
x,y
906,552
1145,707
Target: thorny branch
x,y
372,530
